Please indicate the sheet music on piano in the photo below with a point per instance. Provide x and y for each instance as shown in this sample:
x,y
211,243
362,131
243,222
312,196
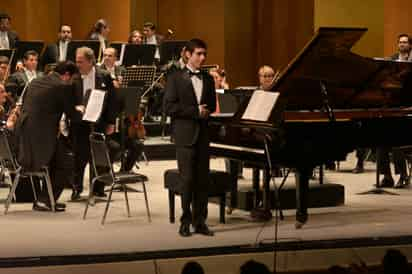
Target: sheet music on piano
x,y
260,106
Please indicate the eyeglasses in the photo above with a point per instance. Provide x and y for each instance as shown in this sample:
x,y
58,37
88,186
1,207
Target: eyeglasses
x,y
267,75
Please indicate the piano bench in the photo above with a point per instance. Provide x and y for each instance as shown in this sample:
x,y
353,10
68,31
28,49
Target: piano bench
x,y
220,183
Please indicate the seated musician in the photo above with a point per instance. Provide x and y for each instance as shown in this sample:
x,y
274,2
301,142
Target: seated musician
x,y
100,32
109,64
151,37
135,38
4,68
19,79
382,153
57,51
266,77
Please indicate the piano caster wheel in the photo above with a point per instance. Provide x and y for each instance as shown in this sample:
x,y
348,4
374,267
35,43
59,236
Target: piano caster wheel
x,y
229,210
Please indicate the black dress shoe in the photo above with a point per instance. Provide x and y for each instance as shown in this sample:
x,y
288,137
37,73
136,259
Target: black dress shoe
x,y
358,170
40,206
184,230
204,230
75,195
400,183
62,205
387,182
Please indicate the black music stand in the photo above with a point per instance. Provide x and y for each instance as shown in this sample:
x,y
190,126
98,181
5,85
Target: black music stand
x,y
75,44
7,52
135,55
170,50
142,76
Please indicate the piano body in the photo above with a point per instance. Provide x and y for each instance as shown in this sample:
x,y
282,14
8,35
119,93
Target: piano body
x,y
331,101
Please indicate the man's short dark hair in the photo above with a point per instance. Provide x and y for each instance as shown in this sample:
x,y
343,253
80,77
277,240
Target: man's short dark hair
x,y
192,268
4,16
4,60
29,53
66,66
149,25
195,44
404,35
253,267
394,262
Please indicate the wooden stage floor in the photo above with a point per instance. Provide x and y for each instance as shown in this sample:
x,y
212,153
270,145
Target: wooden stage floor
x,y
364,220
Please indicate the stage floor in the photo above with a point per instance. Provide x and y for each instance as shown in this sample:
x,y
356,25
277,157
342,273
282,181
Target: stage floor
x,y
27,233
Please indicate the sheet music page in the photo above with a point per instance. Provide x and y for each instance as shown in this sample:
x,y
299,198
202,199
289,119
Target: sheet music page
x,y
260,105
94,106
120,61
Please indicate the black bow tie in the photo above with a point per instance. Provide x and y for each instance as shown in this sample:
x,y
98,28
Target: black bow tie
x,y
198,74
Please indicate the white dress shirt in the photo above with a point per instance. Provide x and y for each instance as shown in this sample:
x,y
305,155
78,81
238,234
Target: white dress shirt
x,y
63,50
30,75
89,80
153,41
4,40
197,84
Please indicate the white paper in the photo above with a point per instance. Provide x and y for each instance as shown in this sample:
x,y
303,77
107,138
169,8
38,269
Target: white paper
x,y
120,62
260,105
221,91
94,106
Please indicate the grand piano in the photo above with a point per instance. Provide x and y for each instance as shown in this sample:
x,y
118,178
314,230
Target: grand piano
x,y
330,102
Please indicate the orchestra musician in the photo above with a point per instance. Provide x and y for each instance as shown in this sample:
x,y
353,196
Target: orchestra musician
x,y
109,64
45,100
135,37
91,78
58,51
8,38
189,99
151,37
19,79
100,32
382,153
4,69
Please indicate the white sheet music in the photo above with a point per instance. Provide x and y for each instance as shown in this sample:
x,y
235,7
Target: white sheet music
x,y
94,106
260,105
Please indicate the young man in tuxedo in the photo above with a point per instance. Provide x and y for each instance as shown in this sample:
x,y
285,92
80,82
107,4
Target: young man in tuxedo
x,y
189,99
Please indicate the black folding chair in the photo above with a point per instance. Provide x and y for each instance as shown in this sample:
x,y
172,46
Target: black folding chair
x,y
101,161
11,167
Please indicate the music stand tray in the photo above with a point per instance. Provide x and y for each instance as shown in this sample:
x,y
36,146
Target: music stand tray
x,y
140,74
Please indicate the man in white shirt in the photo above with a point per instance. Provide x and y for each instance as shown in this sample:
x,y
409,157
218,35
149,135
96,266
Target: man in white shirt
x,y
58,51
8,38
151,37
20,79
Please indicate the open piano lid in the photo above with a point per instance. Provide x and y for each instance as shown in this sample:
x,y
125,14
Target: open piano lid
x,y
325,59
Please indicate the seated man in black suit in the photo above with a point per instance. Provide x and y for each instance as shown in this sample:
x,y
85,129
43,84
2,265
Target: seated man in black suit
x,y
58,51
20,79
8,38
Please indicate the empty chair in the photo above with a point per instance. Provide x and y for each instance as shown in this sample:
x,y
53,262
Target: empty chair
x,y
103,170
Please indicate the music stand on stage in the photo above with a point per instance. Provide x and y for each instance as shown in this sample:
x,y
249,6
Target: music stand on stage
x,y
142,76
75,44
135,55
170,50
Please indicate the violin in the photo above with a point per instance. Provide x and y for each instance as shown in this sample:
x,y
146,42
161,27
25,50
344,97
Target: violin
x,y
136,129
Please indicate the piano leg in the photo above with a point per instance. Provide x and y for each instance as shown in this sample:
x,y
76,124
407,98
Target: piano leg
x,y
233,169
302,176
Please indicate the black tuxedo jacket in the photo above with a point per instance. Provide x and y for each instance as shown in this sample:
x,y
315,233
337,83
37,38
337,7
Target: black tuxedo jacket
x,y
13,38
51,54
181,104
45,100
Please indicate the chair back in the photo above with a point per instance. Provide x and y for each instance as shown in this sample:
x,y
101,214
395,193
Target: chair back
x,y
7,158
100,153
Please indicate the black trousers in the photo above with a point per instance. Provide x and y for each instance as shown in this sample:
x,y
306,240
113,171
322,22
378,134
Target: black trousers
x,y
193,165
361,155
399,160
83,157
